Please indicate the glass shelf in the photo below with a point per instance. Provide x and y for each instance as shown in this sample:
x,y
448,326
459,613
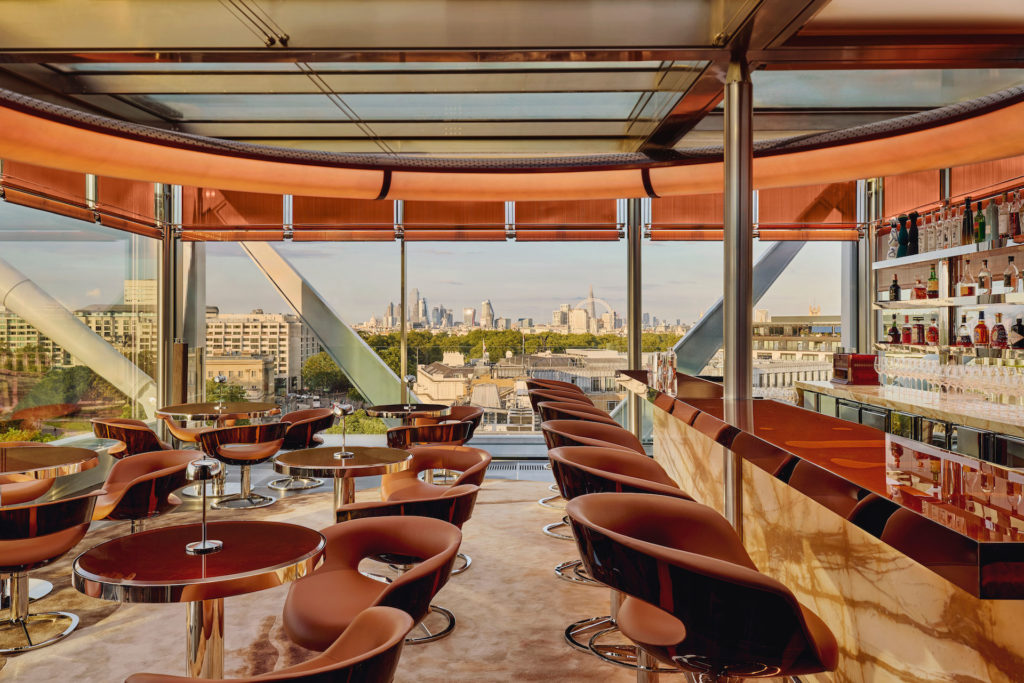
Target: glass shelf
x,y
1011,298
964,351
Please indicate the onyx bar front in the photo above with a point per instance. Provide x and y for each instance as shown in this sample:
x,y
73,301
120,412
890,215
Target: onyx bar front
x,y
914,556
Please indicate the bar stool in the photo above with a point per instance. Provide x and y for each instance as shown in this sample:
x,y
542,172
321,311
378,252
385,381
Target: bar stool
x,y
321,605
557,385
245,445
562,410
134,435
303,432
453,433
944,551
33,536
582,470
368,650
834,492
470,463
470,414
694,599
140,487
537,396
768,457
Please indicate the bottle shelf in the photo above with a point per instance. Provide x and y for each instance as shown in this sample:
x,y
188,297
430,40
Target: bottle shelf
x,y
1011,298
960,351
951,252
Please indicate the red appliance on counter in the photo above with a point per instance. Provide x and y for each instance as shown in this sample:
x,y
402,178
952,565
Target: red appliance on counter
x,y
854,368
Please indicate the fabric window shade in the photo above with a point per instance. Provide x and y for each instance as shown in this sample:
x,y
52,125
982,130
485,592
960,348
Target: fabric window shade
x,y
910,191
569,221
131,200
688,218
68,186
325,219
986,179
225,216
455,221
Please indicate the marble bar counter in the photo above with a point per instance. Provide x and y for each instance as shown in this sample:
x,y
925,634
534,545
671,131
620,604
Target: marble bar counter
x,y
914,556
953,410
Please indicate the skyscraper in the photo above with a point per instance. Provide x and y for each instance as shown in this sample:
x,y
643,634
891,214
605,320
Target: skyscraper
x,y
591,311
469,316
486,314
414,309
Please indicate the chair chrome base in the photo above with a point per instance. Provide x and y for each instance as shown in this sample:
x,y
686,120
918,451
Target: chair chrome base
x,y
17,636
240,502
431,636
194,491
546,502
295,484
550,530
37,589
466,561
622,654
574,572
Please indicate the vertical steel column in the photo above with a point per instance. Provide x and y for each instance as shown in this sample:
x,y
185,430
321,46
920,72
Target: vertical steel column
x,y
738,289
168,293
850,278
634,306
403,325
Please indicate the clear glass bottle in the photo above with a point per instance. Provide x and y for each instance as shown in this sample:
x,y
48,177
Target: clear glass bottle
x,y
932,335
984,278
967,285
906,332
919,335
1004,219
999,338
981,331
1015,225
1010,276
963,333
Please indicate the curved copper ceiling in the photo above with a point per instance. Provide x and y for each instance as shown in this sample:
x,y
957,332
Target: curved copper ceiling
x,y
39,133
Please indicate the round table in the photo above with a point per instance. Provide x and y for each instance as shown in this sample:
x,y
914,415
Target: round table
x,y
365,461
213,410
153,567
45,462
403,410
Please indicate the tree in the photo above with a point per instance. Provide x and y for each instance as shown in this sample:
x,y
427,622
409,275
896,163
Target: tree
x,y
321,373
229,393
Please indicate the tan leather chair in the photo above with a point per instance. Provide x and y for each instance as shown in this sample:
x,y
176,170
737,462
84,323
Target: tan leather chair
x,y
367,651
470,414
33,536
141,487
694,599
134,435
452,433
244,446
181,433
557,385
321,605
832,491
303,432
536,396
768,457
568,410
16,489
579,433
945,552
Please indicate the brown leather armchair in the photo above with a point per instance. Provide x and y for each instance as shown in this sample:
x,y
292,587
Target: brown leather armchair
x,y
245,446
16,489
568,410
140,487
557,385
135,436
470,414
303,433
536,396
451,433
579,433
368,650
321,605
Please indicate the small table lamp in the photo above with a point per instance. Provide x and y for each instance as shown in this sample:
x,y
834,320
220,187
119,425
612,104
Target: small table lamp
x,y
342,410
203,470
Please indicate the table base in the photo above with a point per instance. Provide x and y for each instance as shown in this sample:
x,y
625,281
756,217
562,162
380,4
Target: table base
x,y
37,588
344,491
204,631
212,493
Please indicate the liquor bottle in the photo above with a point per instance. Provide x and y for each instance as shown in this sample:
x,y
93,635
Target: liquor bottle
x,y
979,225
933,284
919,330
1010,276
1016,336
963,334
984,278
894,332
906,332
992,220
981,331
967,224
903,238
999,340
894,289
913,235
1013,211
920,290
967,285
932,335
1004,220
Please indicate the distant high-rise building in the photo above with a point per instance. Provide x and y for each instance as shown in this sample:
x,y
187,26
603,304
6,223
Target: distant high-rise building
x,y
560,318
469,316
414,309
486,314
579,321
591,311
502,324
646,319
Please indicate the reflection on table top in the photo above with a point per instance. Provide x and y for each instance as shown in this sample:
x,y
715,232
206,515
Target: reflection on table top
x,y
322,462
403,410
213,410
152,566
45,462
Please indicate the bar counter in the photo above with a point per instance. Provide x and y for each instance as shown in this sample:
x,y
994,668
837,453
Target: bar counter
x,y
939,601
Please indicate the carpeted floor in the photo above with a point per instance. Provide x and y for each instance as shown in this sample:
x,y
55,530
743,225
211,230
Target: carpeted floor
x,y
511,609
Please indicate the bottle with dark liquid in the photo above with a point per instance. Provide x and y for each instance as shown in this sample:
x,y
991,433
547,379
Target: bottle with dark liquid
x,y
903,238
894,332
932,335
1016,336
907,332
933,284
963,333
979,225
967,224
981,331
894,289
913,243
999,339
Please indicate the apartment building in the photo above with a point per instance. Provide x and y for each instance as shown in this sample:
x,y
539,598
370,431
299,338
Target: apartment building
x,y
281,336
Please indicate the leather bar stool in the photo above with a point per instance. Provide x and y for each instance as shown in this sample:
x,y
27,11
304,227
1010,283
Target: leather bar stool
x,y
33,536
581,470
683,411
452,433
715,429
245,446
945,552
470,464
470,414
303,432
453,505
537,396
134,435
694,599
560,410
557,385
367,651
181,433
583,433
768,457
834,492
321,605
140,487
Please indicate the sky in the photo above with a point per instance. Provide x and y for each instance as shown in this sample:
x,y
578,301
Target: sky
x,y
680,280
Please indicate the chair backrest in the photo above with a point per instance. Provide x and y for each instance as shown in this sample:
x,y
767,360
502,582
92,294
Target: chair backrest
x,y
536,396
433,541
35,534
151,479
832,491
535,383
580,470
768,457
470,463
685,558
453,505
304,425
212,439
567,410
16,489
683,411
937,547
134,434
470,414
447,432
579,433
714,428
